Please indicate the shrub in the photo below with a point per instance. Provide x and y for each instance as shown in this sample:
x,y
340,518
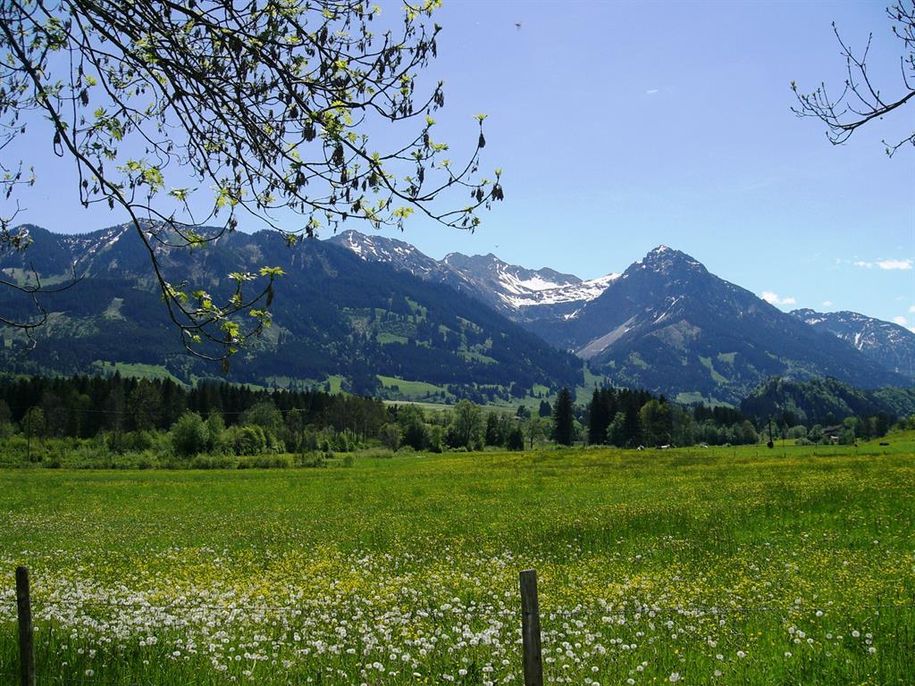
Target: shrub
x,y
390,436
798,431
265,462
249,440
312,459
436,439
147,461
129,441
214,462
189,435
515,439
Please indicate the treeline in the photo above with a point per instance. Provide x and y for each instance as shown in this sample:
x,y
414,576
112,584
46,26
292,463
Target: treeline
x,y
630,418
619,417
627,418
117,421
84,406
834,407
161,422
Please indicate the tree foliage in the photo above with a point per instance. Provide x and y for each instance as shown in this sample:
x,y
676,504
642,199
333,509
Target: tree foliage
x,y
188,113
467,427
563,418
189,435
861,99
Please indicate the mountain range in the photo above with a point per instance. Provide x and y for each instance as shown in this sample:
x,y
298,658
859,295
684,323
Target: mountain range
x,y
335,318
523,295
888,343
666,323
381,317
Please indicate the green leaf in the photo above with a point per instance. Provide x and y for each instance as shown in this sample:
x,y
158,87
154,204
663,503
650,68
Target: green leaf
x,y
272,272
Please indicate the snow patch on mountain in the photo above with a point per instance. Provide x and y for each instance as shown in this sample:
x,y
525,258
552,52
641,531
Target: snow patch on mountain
x,y
513,289
84,247
399,254
886,342
581,292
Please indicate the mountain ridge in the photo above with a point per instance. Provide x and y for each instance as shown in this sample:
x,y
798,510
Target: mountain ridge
x,y
669,325
333,315
887,343
665,324
523,294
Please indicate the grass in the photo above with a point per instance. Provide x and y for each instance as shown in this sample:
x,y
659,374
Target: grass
x,y
473,356
334,383
716,377
706,566
385,338
430,406
411,389
135,370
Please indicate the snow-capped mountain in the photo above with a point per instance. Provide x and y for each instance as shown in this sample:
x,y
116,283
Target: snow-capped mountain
x,y
400,255
669,325
335,315
522,294
666,324
889,344
525,294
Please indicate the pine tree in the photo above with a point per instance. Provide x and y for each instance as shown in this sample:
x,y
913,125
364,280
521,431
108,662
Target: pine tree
x,y
601,411
563,418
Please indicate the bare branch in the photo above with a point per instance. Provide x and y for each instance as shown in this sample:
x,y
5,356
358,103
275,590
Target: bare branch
x,y
861,101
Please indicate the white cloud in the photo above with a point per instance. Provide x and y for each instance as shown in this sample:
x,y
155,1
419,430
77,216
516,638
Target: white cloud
x,y
911,309
775,299
827,303
902,321
652,91
895,264
887,265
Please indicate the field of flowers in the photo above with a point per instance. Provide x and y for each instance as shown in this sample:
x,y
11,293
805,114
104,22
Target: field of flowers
x,y
709,566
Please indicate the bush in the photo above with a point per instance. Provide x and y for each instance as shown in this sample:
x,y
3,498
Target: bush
x,y
515,439
377,453
798,431
147,461
436,439
129,441
313,459
214,462
189,435
390,436
248,440
265,462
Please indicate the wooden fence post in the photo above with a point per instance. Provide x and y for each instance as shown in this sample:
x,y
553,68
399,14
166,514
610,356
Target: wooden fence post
x,y
530,629
24,608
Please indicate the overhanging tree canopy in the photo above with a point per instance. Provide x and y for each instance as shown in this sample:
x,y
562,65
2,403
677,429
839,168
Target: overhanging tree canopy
x,y
251,106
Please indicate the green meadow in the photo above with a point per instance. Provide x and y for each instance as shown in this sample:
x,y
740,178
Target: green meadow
x,y
715,566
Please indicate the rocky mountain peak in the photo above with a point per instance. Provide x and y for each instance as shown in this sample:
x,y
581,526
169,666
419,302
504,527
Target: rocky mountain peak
x,y
400,254
667,261
887,343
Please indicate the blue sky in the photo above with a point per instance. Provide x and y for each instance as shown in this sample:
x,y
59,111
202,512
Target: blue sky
x,y
621,126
